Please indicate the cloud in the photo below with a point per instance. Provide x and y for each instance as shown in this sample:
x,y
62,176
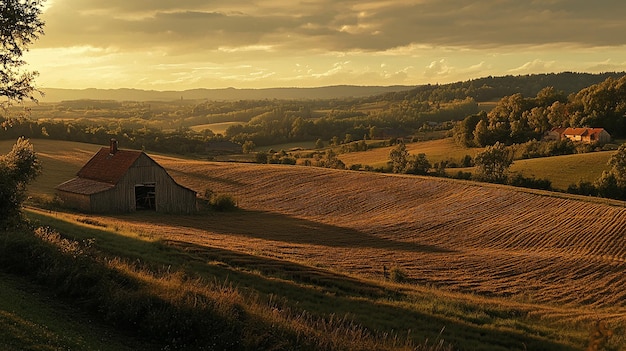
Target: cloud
x,y
607,66
535,66
438,68
331,25
415,40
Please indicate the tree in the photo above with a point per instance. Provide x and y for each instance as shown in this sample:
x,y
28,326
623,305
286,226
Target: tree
x,y
261,157
464,130
618,165
17,168
398,157
481,133
493,163
332,161
248,147
418,164
20,26
612,184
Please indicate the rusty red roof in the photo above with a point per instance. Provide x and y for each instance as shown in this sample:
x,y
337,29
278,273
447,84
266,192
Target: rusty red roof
x,y
84,186
107,167
582,131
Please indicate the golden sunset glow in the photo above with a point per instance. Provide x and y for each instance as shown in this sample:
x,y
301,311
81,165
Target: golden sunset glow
x,y
164,44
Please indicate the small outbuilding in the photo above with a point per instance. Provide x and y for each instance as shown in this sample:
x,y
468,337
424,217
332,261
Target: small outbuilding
x,y
115,181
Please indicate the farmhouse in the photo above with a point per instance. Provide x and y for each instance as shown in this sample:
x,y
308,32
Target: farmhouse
x,y
116,180
587,135
584,135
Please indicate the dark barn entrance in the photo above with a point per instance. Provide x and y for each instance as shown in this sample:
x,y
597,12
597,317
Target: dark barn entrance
x,y
145,198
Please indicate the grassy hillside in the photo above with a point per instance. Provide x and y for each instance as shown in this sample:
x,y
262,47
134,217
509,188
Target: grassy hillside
x,y
494,267
435,150
217,128
561,170
567,169
31,319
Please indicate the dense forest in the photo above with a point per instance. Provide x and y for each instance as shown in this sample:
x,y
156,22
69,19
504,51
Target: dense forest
x,y
518,109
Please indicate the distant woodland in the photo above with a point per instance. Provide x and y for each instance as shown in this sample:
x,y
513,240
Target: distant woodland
x,y
511,109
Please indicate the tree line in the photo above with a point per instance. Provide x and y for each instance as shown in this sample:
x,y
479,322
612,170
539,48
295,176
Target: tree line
x,y
516,119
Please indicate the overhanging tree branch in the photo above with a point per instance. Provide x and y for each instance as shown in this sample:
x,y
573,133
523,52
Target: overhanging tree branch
x,y
20,26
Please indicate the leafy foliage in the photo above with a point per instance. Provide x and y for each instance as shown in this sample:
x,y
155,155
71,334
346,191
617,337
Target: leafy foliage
x,y
17,168
20,26
516,119
493,163
398,157
402,162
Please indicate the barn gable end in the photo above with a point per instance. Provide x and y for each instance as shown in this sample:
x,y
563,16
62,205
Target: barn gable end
x,y
124,181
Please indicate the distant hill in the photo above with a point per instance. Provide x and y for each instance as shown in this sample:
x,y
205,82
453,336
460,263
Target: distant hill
x,y
481,89
495,88
329,92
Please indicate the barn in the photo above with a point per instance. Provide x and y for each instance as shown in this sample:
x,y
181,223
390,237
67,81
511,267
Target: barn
x,y
115,180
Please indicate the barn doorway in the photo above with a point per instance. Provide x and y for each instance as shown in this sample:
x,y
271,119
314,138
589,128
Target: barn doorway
x,y
145,197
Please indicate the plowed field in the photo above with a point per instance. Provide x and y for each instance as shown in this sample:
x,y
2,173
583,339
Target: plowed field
x,y
460,236
482,239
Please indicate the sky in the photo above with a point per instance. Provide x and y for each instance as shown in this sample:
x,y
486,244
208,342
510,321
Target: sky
x,y
187,44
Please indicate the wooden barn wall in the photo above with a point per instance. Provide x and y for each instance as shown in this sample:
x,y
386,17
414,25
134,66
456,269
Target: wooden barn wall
x,y
170,197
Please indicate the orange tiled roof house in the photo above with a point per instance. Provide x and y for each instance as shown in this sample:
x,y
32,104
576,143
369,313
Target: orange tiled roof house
x,y
116,180
584,135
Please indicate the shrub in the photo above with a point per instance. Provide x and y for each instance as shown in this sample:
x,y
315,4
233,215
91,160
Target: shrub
x,y
462,175
17,168
261,157
529,182
583,188
398,275
223,203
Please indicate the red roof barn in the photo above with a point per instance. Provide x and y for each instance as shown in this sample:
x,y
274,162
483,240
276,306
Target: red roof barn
x,y
116,180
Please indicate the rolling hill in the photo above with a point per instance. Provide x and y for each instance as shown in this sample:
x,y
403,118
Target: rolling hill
x,y
483,239
536,255
479,238
330,92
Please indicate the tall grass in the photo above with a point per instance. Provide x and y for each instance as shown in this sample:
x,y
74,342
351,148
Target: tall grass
x,y
172,308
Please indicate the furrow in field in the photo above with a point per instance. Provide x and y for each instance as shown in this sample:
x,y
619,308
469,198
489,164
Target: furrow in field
x,y
483,239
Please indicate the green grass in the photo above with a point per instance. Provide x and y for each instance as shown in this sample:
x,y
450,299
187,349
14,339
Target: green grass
x,y
436,151
565,170
32,319
217,128
304,288
420,313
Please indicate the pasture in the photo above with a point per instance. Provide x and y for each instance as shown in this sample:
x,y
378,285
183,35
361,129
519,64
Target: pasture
x,y
436,151
565,170
490,267
217,128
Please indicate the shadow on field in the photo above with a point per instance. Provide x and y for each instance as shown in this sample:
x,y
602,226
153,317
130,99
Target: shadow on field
x,y
204,178
303,287
336,283
279,227
324,292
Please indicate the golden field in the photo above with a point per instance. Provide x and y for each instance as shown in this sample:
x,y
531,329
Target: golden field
x,y
546,255
480,238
